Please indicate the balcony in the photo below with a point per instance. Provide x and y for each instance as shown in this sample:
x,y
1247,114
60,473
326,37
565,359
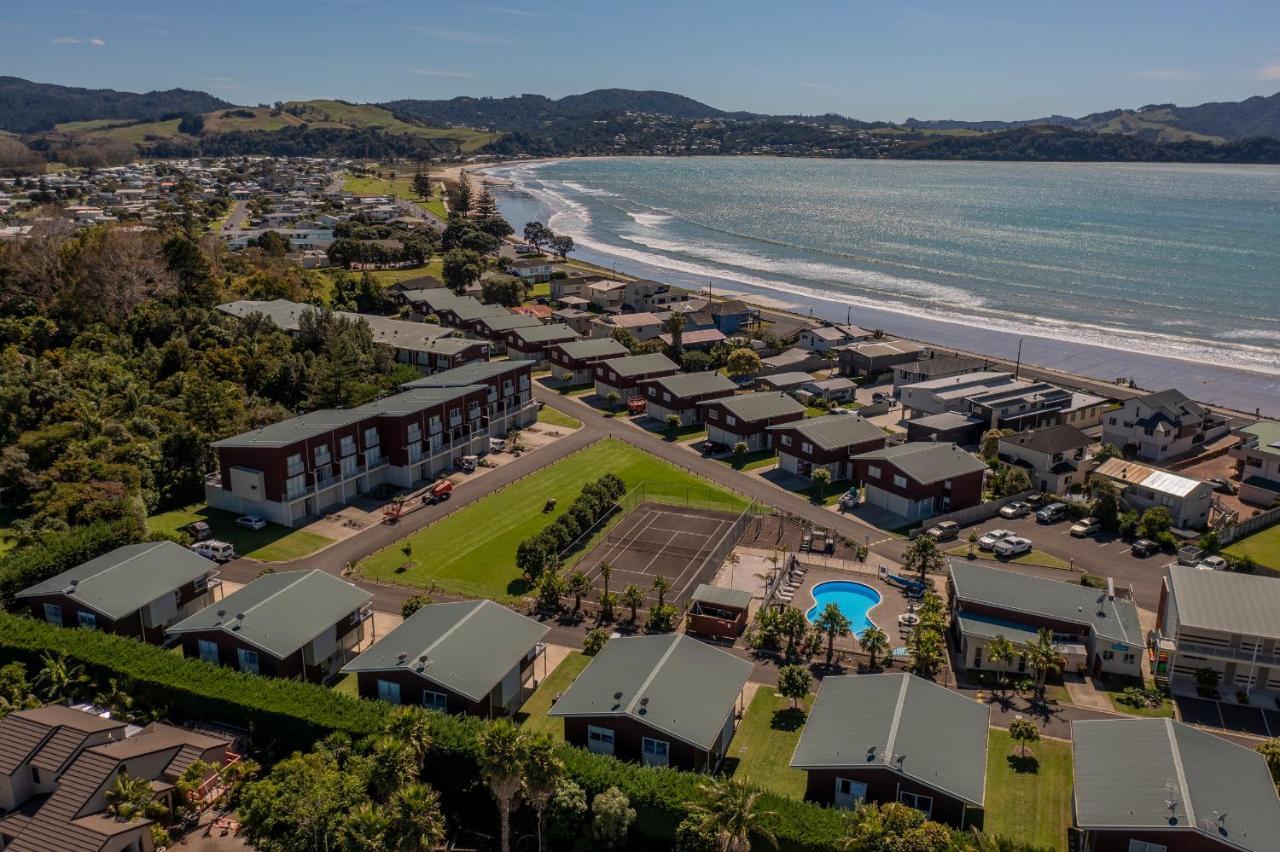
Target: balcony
x,y
1238,654
330,481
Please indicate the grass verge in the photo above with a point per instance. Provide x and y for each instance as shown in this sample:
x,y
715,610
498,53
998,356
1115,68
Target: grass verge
x,y
1028,799
761,750
552,417
273,543
1035,557
533,713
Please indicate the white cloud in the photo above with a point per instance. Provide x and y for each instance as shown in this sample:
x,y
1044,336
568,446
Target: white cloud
x,y
1168,74
1271,72
98,42
822,87
95,41
432,72
463,37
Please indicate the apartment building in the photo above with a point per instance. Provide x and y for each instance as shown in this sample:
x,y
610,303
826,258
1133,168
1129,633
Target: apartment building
x,y
509,402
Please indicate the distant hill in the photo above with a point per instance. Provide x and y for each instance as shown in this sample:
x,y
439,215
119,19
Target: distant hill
x,y
27,107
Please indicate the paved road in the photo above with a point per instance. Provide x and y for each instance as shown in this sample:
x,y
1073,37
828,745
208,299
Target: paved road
x,y
238,213
413,208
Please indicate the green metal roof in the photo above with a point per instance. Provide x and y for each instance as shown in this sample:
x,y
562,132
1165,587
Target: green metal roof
x,y
294,429
503,323
926,461
595,347
671,683
902,723
467,374
279,613
1114,619
467,309
640,365
695,384
836,431
1163,775
989,627
545,333
1226,601
119,583
466,647
759,406
1267,435
720,596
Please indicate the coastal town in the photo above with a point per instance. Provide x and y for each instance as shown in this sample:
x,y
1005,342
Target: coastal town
x,y
602,539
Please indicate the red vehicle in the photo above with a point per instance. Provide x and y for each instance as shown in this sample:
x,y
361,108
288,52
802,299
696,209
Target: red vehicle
x,y
636,405
439,492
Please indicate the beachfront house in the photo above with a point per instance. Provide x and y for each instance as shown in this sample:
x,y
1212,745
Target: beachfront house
x,y
1095,630
935,365
1054,457
896,738
918,481
1162,425
472,657
1258,463
747,417
682,394
531,270
1187,500
624,375
662,700
873,358
829,442
645,326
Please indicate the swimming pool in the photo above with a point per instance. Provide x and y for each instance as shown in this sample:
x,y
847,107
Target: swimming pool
x,y
855,600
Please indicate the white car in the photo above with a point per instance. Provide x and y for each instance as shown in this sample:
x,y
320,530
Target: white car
x,y
992,538
218,551
1012,546
250,522
1213,563
1086,527
1016,509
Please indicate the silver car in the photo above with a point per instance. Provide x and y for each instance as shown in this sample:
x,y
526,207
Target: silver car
x,y
989,541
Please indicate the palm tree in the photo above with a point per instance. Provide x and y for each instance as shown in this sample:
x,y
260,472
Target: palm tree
x,y
674,326
115,697
542,776
661,585
923,556
874,643
128,796
792,624
504,753
1001,652
1043,657
834,623
365,829
391,766
579,585
634,599
410,725
925,645
731,811
58,680
416,821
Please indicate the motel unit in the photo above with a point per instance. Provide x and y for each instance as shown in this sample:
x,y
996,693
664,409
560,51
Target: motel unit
x,y
624,375
682,394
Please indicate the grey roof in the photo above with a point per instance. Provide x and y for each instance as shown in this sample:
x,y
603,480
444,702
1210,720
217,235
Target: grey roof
x,y
1226,601
595,347
785,380
467,374
1063,438
506,322
758,406
415,399
720,596
468,308
279,613
294,429
119,583
284,313
902,723
989,627
1173,404
1112,619
835,431
552,333
946,420
939,364
879,348
1163,775
466,647
926,461
671,683
695,384
641,365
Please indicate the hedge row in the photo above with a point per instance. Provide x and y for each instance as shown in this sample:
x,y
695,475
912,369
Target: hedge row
x,y
57,552
285,715
596,501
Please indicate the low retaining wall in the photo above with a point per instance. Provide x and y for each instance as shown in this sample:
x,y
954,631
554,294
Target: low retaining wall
x,y
973,514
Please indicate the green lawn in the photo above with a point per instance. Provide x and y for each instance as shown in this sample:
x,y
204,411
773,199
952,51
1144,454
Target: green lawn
x,y
1263,546
472,551
274,543
691,432
533,714
552,417
347,685
766,738
541,290
750,461
1028,800
831,495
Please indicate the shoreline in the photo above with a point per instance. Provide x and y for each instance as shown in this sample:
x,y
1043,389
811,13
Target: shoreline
x,y
1247,392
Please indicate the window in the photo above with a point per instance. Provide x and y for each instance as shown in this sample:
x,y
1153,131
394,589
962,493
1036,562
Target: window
x,y
294,465
873,472
653,393
1108,656
35,775
1022,664
413,433
347,446
371,438
599,740
1128,659
712,414
924,804
208,651
1145,846
806,447
786,440
899,481
53,614
977,657
435,701
321,455
666,397
87,620
248,660
655,751
849,793
730,420
388,691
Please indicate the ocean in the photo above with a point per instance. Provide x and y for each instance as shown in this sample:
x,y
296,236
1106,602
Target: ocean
x,y
1169,274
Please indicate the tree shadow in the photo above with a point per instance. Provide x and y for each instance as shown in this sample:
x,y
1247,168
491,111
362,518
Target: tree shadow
x,y
787,719
519,587
1029,765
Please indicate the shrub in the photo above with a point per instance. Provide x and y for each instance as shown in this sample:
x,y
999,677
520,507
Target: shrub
x,y
57,552
1093,581
415,603
594,641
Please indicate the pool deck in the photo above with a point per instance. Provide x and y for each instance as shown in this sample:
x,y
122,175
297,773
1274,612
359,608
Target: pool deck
x,y
884,614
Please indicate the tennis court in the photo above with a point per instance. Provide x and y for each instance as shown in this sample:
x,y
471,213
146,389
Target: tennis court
x,y
683,544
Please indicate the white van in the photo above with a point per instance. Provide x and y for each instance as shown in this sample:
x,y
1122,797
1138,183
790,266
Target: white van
x,y
218,551
497,445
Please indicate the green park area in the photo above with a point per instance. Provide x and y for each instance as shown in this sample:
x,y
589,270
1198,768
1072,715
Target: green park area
x,y
273,543
472,551
761,750
1262,546
399,184
1028,799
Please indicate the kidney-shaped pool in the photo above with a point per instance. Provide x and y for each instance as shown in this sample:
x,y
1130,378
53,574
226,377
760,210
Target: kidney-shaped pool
x,y
855,600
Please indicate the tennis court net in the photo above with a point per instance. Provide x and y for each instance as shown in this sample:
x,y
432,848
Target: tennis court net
x,y
643,545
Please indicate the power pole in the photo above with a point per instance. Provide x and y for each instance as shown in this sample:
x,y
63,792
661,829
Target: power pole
x,y
1017,367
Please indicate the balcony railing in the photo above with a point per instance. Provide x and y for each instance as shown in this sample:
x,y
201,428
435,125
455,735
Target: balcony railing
x,y
1238,654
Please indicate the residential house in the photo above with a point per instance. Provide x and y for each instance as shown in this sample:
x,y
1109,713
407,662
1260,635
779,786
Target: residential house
x,y
836,389
1094,630
896,738
682,394
732,316
136,590
1156,785
531,270
62,769
793,360
920,480
948,427
877,357
607,295
936,366
579,320
508,386
784,382
574,285
1055,457
828,442
1162,426
950,393
699,340
1258,463
718,612
574,362
645,295
663,700
1188,500
1219,620
470,657
624,375
292,624
747,417
825,338
465,312
644,326
1036,404
494,328
532,343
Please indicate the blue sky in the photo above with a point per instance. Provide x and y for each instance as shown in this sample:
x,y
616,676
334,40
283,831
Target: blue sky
x,y
883,60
